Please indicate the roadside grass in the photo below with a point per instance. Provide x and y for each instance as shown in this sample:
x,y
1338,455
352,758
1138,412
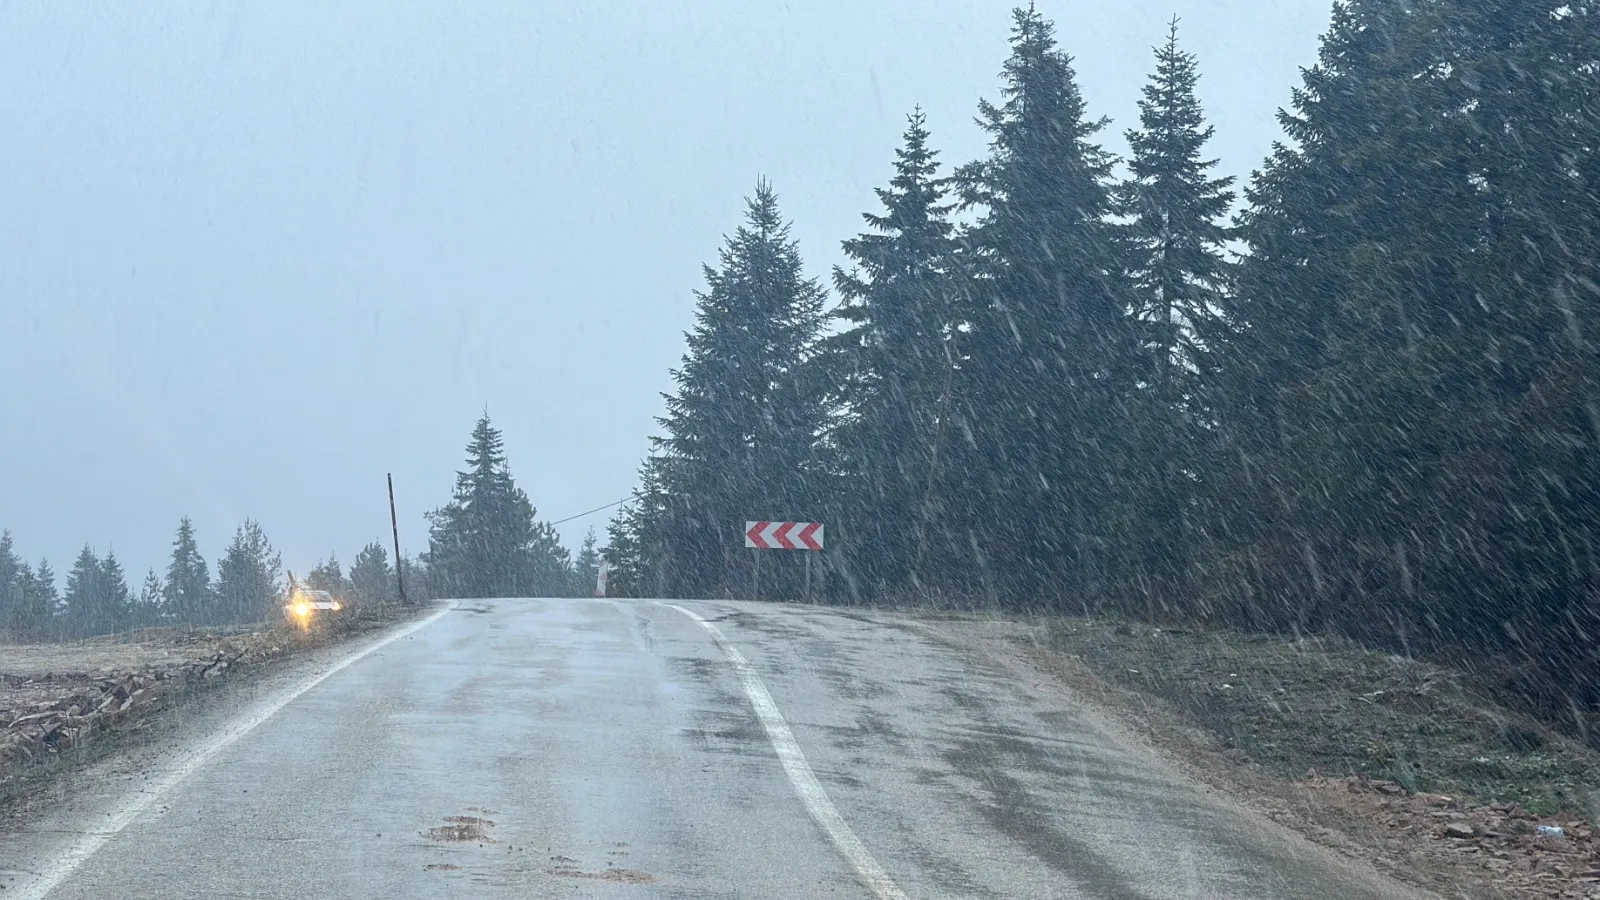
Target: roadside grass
x,y
1328,707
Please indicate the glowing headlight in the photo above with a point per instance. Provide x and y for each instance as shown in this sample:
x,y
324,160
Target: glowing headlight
x,y
337,606
302,609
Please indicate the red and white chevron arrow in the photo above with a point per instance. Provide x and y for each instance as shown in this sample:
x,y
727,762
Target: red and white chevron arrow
x,y
783,535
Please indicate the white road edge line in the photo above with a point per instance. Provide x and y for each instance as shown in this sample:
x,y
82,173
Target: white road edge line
x,y
799,771
189,761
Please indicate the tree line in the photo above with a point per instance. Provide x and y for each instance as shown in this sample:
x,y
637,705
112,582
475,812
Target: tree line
x,y
248,587
1367,402
486,542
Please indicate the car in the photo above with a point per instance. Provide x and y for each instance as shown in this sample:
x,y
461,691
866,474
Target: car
x,y
306,605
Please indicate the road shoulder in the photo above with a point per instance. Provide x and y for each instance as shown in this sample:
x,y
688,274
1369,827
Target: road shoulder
x,y
1454,844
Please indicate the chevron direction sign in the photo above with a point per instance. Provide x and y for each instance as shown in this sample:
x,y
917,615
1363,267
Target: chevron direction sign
x,y
783,535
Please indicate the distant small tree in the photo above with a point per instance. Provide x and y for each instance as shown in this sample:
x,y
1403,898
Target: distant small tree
x,y
34,617
421,582
11,581
487,541
187,591
328,576
586,568
150,608
371,578
247,576
116,600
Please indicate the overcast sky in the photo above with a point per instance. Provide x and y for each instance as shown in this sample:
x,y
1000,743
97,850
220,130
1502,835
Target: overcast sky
x,y
253,255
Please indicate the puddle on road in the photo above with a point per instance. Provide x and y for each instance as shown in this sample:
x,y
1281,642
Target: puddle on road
x,y
619,876
567,867
462,829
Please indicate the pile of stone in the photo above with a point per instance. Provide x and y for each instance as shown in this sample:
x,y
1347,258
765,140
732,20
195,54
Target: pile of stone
x,y
1523,854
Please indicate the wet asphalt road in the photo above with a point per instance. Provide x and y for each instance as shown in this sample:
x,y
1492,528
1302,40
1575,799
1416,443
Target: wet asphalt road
x,y
592,748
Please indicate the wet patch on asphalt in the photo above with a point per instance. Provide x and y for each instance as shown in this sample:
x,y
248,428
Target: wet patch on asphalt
x,y
852,687
868,730
620,876
567,867
1014,811
462,830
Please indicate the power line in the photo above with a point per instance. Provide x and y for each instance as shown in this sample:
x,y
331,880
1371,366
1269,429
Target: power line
x,y
596,509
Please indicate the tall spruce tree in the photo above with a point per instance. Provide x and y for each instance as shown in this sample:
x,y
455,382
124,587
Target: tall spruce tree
x,y
1177,225
1411,398
899,299
248,577
83,602
1052,355
742,428
187,589
486,542
116,600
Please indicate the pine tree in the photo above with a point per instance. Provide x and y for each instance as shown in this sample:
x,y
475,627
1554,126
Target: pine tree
x,y
634,560
1178,223
187,591
550,571
742,429
422,583
150,607
899,299
34,617
328,576
371,578
1177,226
84,600
116,600
11,581
1052,356
1410,400
247,588
486,542
586,568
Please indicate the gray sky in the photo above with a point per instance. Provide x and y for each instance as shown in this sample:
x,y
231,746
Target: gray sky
x,y
253,255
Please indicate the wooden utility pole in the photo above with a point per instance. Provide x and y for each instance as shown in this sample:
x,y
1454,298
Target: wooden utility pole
x,y
394,526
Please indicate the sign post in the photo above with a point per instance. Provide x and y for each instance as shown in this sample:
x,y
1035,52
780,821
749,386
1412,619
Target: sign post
x,y
782,536
600,580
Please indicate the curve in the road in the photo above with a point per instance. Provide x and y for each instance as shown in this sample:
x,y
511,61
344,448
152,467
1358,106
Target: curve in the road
x,y
805,782
124,815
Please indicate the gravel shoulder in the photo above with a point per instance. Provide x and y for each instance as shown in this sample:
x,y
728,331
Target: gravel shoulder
x,y
1390,762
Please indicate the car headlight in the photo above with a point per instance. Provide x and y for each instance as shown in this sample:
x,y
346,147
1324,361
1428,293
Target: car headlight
x,y
301,609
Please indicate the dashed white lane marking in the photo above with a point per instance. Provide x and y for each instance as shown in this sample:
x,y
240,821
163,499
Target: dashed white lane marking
x,y
189,761
799,771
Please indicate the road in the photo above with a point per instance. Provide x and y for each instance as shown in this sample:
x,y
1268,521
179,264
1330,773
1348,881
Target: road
x,y
595,748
